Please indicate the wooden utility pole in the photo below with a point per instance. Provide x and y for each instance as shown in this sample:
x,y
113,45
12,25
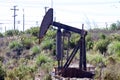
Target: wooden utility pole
x,y
14,9
23,21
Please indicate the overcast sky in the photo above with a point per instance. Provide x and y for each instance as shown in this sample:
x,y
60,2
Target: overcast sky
x,y
92,13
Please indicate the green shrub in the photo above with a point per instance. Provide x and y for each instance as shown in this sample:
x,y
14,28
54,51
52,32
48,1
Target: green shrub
x,y
74,39
95,59
10,75
47,44
11,32
114,48
33,31
2,72
35,50
50,34
88,38
101,45
114,37
111,60
90,45
1,58
42,58
89,42
102,36
1,35
14,44
113,26
21,72
27,42
47,77
112,72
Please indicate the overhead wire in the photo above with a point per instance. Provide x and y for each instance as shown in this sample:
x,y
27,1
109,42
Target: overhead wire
x,y
38,5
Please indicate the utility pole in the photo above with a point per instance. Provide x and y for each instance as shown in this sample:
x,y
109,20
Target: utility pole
x,y
5,28
106,24
23,21
51,3
14,9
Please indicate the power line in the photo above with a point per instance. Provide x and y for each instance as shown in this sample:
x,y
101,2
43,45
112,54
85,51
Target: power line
x,y
14,9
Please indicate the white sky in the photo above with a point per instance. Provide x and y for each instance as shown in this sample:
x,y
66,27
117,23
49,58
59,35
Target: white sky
x,y
92,13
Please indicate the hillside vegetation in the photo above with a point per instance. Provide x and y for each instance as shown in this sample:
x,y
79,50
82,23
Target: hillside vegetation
x,y
22,58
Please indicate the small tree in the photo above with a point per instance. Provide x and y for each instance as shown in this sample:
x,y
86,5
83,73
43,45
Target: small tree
x,y
89,42
1,35
102,36
11,32
118,25
33,31
114,48
101,45
113,26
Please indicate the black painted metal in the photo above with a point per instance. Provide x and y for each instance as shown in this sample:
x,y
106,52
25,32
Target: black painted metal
x,y
76,73
82,62
58,46
84,55
72,55
69,28
47,21
81,55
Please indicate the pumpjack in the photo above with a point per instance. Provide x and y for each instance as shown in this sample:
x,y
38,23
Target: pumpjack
x,y
65,70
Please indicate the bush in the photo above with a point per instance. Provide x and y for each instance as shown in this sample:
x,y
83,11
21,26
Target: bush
x,y
27,42
114,37
74,39
2,73
11,32
113,26
33,31
14,44
101,45
1,35
51,34
90,45
112,72
47,44
88,38
42,58
35,50
22,72
89,42
102,36
114,48
95,58
47,77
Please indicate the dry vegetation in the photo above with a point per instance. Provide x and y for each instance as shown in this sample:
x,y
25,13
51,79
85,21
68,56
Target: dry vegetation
x,y
22,58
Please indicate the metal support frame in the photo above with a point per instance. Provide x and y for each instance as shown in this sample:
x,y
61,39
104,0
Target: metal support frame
x,y
58,47
69,28
81,45
82,62
64,69
72,55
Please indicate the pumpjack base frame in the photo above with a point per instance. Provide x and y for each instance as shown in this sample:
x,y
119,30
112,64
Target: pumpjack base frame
x,y
74,73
